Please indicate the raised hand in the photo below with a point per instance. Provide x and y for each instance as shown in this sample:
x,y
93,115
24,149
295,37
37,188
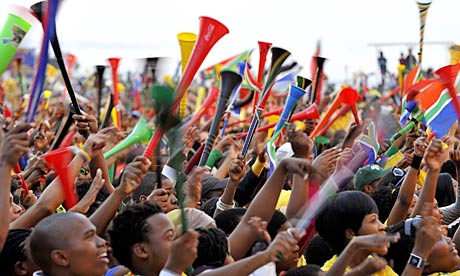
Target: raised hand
x,y
133,174
15,144
83,205
183,252
85,123
192,187
259,228
436,154
303,167
283,247
237,169
420,146
325,163
375,243
159,197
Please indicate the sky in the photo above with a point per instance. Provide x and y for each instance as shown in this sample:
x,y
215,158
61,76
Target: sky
x,y
94,30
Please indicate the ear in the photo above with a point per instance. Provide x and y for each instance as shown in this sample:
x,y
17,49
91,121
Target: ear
x,y
142,198
20,268
140,251
60,257
349,234
367,189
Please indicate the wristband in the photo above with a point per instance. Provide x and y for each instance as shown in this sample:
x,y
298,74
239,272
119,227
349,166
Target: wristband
x,y
416,161
213,157
84,155
222,206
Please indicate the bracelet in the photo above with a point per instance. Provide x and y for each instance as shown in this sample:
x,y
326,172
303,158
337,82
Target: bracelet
x,y
416,161
223,206
84,155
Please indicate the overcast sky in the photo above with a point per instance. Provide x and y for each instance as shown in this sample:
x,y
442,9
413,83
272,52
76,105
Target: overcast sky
x,y
96,29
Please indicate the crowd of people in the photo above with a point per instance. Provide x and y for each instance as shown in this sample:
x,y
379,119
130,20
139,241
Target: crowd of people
x,y
326,208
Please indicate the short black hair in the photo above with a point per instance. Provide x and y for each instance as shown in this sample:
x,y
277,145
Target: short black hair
x,y
450,168
318,251
308,270
345,211
212,247
14,250
148,184
227,220
129,227
385,197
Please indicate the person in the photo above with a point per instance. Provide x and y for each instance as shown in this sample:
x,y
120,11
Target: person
x,y
402,59
410,61
354,214
142,240
367,178
383,66
67,244
14,260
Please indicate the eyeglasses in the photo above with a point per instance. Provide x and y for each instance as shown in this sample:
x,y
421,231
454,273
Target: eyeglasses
x,y
401,174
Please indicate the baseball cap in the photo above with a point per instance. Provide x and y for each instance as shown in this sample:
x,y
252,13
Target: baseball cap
x,y
368,174
211,183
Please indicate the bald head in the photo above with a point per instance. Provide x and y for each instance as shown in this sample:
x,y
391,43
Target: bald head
x,y
53,232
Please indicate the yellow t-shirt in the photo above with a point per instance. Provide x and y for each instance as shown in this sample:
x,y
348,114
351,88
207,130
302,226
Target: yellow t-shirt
x,y
283,200
387,271
455,273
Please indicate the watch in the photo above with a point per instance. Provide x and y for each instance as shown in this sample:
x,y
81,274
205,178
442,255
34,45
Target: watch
x,y
416,261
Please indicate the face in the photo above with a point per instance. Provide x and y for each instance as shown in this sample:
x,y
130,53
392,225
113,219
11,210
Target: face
x,y
437,213
444,257
86,251
160,236
172,200
15,210
371,225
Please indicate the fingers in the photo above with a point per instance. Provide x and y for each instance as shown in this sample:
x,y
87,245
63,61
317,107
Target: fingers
x,y
21,127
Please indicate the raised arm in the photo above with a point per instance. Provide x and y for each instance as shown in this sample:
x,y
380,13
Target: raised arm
x,y
130,180
283,245
236,172
435,156
406,192
54,195
264,204
87,123
14,144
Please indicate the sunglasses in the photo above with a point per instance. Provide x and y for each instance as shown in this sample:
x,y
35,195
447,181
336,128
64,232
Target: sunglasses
x,y
84,171
399,173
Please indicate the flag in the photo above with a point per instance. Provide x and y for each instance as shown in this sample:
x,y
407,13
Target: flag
x,y
369,143
227,64
410,79
438,107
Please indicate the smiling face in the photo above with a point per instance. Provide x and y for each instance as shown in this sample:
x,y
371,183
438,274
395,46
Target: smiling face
x,y
86,252
159,238
444,257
